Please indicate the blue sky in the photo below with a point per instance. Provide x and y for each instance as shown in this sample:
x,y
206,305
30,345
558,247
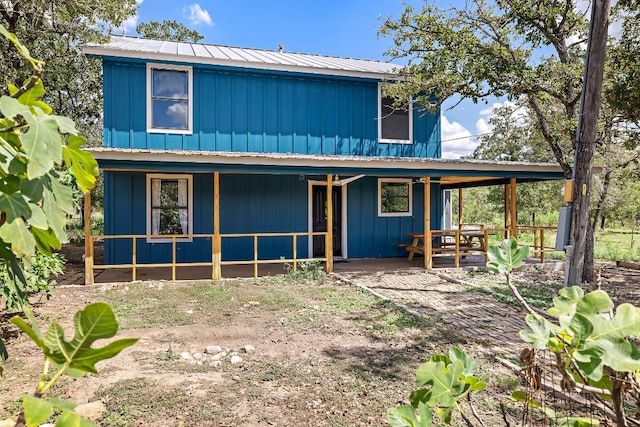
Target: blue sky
x,y
329,27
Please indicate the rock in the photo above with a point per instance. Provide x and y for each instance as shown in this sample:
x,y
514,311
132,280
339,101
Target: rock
x,y
186,355
218,356
197,356
249,348
91,411
213,349
214,363
189,311
253,303
7,423
235,359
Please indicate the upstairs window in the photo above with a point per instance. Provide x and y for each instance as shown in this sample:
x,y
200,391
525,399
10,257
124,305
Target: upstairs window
x,y
169,201
394,197
169,98
395,124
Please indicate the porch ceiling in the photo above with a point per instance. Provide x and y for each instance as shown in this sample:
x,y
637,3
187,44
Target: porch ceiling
x,y
450,173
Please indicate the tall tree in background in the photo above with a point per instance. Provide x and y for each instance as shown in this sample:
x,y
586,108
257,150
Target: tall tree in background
x,y
168,30
529,51
54,30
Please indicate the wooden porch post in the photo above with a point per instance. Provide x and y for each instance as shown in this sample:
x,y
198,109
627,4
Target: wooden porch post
x,y
506,211
460,208
88,241
328,246
428,255
216,254
514,215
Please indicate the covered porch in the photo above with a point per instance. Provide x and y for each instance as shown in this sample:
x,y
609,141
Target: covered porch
x,y
430,175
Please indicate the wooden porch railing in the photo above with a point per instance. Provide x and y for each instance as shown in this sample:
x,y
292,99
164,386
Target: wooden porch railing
x,y
216,260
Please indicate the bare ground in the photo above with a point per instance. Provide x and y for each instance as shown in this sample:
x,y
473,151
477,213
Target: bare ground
x,y
320,359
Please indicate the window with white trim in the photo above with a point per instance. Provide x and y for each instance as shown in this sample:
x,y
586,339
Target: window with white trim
x,y
169,206
394,197
169,98
395,123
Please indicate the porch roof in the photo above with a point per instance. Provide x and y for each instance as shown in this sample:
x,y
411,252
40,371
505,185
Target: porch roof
x,y
452,173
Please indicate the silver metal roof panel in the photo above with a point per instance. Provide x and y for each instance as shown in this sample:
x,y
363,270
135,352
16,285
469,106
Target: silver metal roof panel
x,y
131,47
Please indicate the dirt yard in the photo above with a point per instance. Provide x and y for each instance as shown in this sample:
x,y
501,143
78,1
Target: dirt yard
x,y
279,351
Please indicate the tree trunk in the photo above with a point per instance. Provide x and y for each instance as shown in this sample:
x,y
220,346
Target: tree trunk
x,y
586,139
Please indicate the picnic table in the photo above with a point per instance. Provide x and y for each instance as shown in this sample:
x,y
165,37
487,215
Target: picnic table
x,y
457,243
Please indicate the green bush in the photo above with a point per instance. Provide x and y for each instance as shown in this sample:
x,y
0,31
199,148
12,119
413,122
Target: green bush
x,y
39,278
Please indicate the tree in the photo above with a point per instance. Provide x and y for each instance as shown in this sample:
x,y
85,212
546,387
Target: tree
x,y
168,30
54,31
528,51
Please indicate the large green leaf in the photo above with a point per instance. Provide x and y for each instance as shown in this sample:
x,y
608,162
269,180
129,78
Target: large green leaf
x,y
17,233
405,416
12,108
540,331
42,145
96,321
594,302
71,419
36,410
14,206
625,323
566,302
31,96
506,257
83,166
444,381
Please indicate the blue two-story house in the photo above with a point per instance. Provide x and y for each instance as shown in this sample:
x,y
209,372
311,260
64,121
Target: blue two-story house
x,y
215,140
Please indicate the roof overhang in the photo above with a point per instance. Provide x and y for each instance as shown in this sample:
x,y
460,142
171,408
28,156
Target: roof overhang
x,y
225,56
451,173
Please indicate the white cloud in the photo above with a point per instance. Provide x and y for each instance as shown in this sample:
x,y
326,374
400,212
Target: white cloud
x,y
178,112
198,16
130,24
457,141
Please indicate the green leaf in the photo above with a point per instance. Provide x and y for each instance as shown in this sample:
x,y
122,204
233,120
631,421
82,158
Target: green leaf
x,y
65,125
17,233
71,419
31,96
64,405
539,334
82,164
566,302
581,328
404,416
625,323
36,217
14,205
506,257
445,381
46,240
595,302
95,322
12,108
42,145
36,410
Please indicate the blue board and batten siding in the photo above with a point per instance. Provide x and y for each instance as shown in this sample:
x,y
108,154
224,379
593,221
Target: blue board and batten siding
x,y
250,111
254,204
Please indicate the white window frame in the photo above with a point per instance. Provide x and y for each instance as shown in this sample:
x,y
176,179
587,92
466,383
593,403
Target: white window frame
x,y
409,183
169,67
172,177
387,140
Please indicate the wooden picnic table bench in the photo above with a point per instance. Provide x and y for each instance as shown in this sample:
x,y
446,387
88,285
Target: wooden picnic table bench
x,y
457,243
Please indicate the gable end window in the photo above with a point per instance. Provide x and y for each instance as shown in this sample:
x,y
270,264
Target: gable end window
x,y
169,98
169,207
394,197
395,124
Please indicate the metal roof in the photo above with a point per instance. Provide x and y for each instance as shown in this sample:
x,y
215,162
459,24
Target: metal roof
x,y
159,50
207,161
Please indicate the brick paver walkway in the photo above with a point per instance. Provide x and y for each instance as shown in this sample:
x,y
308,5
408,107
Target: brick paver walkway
x,y
472,315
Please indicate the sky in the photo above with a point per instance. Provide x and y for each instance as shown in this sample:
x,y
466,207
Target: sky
x,y
345,28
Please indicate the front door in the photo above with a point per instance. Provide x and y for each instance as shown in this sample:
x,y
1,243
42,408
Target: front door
x,y
319,219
